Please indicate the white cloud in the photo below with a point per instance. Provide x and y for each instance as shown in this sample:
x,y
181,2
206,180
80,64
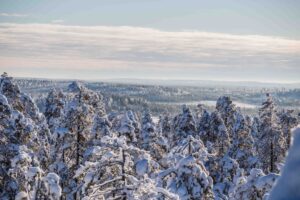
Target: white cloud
x,y
57,21
101,47
12,15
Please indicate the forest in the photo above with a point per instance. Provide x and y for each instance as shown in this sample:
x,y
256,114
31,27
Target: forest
x,y
78,147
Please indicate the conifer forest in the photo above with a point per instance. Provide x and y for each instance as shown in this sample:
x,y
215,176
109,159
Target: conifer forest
x,y
74,141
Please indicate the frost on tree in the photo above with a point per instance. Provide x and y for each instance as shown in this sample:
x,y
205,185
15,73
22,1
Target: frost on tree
x,y
116,170
25,105
184,124
148,131
227,110
242,148
185,147
227,169
127,127
101,127
76,132
271,142
218,134
165,126
255,186
204,126
287,122
55,105
188,179
20,173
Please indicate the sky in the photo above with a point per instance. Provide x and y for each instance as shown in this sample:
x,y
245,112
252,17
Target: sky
x,y
231,40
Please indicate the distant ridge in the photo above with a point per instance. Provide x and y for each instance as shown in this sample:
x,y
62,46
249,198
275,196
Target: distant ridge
x,y
174,82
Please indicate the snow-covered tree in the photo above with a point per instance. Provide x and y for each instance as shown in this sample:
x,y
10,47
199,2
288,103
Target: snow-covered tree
x,y
227,169
287,122
242,148
227,110
271,142
116,170
54,111
256,186
101,127
165,126
218,134
127,127
204,126
148,131
75,134
21,173
25,105
188,179
184,124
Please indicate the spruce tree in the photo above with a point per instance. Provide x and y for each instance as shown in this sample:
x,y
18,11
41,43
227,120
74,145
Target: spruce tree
x,y
271,142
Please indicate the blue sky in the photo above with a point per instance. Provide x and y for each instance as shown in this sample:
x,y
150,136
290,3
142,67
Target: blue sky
x,y
257,40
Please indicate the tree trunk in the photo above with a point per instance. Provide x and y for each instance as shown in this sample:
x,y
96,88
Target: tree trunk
x,y
272,157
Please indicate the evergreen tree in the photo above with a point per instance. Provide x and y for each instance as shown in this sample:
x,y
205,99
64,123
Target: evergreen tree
x,y
287,122
101,127
188,179
272,145
21,173
55,105
127,127
227,110
204,126
184,124
26,106
81,111
218,134
148,131
165,126
242,148
256,186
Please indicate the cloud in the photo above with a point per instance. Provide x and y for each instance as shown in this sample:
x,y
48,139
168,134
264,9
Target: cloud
x,y
12,15
144,50
57,21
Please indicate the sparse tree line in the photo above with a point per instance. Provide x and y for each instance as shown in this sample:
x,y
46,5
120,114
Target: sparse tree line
x,y
76,150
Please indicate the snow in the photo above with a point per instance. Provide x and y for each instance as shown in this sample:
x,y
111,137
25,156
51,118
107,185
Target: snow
x,y
288,185
194,154
3,99
33,171
52,186
142,167
21,196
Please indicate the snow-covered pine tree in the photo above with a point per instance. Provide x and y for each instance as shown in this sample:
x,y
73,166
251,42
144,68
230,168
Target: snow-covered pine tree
x,y
148,131
54,108
21,172
227,110
188,179
101,127
227,170
256,186
204,126
287,122
135,121
80,114
218,134
165,126
242,148
184,124
127,127
117,170
271,142
26,106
